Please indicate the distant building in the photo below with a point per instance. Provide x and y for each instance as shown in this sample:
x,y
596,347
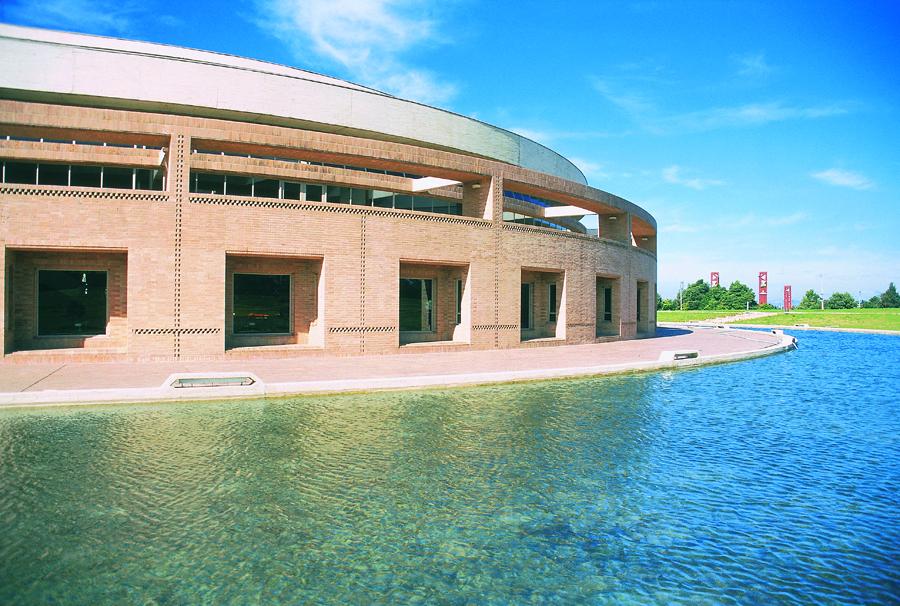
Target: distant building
x,y
165,203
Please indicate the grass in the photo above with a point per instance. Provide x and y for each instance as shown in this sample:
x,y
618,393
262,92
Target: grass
x,y
687,316
871,319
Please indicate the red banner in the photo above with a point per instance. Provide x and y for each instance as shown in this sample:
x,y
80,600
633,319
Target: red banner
x,y
714,279
788,304
763,287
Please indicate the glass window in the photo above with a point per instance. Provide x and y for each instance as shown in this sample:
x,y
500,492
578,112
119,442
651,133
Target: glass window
x,y
337,195
362,197
85,176
639,304
145,178
526,306
403,201
53,174
208,183
416,305
265,188
607,304
383,199
262,304
291,190
314,192
118,177
237,185
20,172
459,296
71,302
551,302
422,204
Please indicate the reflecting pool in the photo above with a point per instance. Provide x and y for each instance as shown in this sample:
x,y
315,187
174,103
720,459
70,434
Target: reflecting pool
x,y
775,480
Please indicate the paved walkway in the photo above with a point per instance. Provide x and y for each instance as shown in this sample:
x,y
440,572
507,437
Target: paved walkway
x,y
27,384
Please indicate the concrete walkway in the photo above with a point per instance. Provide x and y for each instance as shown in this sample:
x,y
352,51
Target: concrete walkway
x,y
41,384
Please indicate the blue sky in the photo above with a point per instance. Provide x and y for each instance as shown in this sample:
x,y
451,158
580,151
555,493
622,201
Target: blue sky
x,y
761,135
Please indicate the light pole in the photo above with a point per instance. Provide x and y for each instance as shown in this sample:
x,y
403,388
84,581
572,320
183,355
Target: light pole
x,y
681,297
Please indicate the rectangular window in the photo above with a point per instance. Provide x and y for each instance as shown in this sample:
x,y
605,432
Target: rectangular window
x,y
71,302
145,178
20,172
362,197
265,188
551,302
383,199
403,201
459,296
118,177
607,304
314,192
416,305
237,185
291,190
53,174
208,183
85,176
526,306
337,195
262,304
639,304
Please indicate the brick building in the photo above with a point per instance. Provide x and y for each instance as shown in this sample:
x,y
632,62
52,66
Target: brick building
x,y
166,203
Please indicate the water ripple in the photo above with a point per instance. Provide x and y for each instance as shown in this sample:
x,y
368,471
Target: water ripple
x,y
774,481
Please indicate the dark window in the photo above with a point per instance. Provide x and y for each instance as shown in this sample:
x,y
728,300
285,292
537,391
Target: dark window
x,y
265,188
145,178
551,303
362,197
236,185
71,302
292,190
118,177
262,304
607,304
416,304
85,176
459,296
338,195
53,174
383,199
638,304
208,183
526,306
403,201
21,172
314,193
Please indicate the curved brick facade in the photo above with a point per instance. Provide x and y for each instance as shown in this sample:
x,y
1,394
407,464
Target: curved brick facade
x,y
170,248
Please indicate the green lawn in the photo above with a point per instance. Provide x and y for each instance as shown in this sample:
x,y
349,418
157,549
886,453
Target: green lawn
x,y
873,319
687,316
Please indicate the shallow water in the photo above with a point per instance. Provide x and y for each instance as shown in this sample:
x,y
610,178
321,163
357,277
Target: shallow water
x,y
769,481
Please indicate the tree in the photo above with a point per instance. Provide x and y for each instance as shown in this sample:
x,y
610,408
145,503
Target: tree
x,y
873,303
739,295
659,301
811,300
840,300
694,296
890,298
670,304
716,298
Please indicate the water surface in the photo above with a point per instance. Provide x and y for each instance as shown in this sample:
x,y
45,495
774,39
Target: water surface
x,y
771,481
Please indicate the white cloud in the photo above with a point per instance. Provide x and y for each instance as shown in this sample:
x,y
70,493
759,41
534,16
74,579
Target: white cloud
x,y
672,174
648,115
843,178
98,16
368,38
679,228
590,169
753,65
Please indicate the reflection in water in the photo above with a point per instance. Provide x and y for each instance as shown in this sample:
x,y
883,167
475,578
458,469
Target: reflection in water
x,y
775,480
